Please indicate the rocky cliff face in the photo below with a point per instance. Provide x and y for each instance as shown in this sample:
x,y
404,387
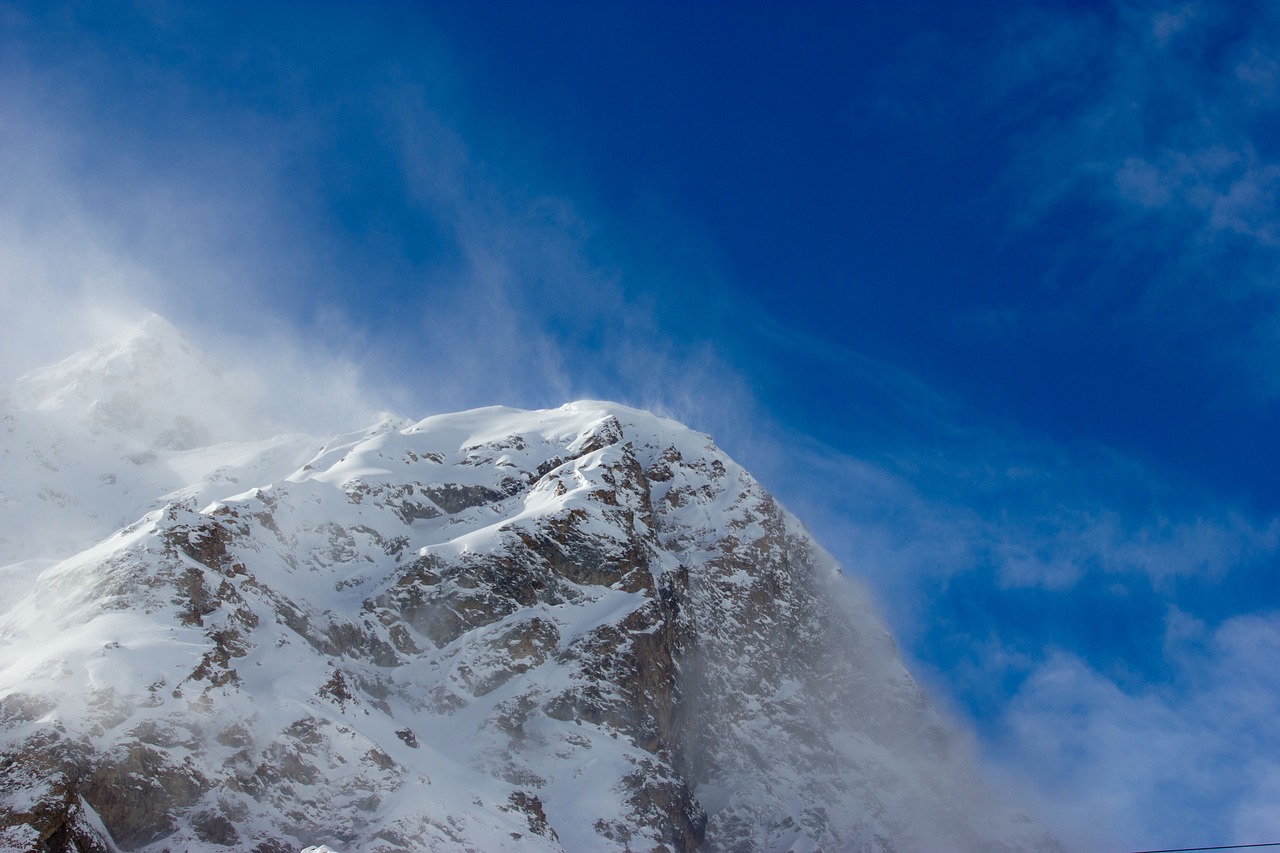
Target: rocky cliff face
x,y
577,629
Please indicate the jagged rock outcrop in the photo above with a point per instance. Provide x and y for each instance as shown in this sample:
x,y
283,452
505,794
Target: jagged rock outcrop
x,y
577,629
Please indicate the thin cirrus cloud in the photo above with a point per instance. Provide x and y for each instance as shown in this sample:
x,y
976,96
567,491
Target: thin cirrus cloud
x,y
1135,161
1168,135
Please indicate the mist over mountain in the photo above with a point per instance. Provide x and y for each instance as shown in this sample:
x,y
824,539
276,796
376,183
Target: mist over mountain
x,y
93,442
584,628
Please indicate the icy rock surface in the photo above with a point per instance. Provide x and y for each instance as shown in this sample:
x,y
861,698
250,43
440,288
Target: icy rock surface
x,y
580,629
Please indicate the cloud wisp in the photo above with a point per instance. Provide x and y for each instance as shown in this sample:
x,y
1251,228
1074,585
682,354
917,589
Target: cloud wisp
x,y
1158,766
420,277
1167,138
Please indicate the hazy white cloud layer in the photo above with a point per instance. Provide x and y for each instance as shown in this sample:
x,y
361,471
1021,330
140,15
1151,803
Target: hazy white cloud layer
x,y
1158,766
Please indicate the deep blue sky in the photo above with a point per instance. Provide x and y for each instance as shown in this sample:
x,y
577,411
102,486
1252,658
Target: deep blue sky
x,y
779,132
987,293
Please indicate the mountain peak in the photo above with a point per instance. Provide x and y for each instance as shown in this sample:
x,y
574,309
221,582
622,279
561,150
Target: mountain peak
x,y
583,628
142,352
158,328
139,384
102,436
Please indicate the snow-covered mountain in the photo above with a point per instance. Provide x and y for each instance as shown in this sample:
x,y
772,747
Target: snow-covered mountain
x,y
578,629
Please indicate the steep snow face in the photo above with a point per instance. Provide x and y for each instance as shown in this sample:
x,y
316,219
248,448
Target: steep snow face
x,y
577,629
93,442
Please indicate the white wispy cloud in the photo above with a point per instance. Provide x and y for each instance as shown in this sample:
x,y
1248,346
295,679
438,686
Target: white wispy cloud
x,y
1139,166
1163,125
225,221
1183,764
74,272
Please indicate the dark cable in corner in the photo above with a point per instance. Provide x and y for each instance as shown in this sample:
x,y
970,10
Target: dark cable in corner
x,y
1222,847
